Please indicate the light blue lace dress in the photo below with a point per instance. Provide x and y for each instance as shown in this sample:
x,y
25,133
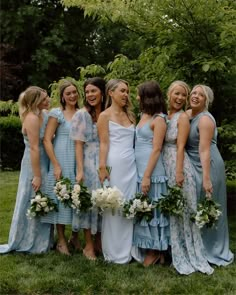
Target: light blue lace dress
x,y
188,253
216,239
85,130
153,234
28,235
64,150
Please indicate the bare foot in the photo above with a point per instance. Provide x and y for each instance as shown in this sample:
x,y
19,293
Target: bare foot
x,y
63,249
89,254
151,258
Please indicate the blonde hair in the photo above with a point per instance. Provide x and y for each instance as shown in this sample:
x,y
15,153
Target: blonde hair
x,y
29,101
178,83
208,93
111,86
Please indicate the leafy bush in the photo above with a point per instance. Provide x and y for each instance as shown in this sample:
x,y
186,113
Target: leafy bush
x,y
8,108
11,142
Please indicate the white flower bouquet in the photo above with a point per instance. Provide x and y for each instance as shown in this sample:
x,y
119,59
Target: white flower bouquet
x,y
140,207
41,204
81,198
207,213
62,189
107,198
172,203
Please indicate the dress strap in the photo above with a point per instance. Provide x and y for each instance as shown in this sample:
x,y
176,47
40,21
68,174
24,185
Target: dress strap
x,y
164,116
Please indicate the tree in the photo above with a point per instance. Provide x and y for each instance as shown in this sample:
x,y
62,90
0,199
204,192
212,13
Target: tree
x,y
44,41
193,40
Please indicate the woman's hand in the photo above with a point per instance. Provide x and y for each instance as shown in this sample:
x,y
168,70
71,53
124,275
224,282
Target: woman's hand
x,y
145,185
36,183
57,172
103,174
79,177
179,178
207,185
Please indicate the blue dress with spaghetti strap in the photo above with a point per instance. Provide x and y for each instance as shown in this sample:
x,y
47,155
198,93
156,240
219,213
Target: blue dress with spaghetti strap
x,y
155,233
29,235
216,239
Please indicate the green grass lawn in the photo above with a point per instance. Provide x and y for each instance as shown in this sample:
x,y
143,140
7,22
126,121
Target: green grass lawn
x,y
52,273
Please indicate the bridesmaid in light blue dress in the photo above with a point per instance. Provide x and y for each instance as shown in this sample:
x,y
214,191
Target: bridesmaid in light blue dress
x,y
152,236
209,172
84,133
116,133
29,235
61,152
188,252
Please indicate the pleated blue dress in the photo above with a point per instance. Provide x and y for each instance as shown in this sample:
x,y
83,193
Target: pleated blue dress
x,y
216,239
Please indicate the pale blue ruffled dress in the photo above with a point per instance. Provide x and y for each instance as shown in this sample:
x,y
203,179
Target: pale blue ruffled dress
x,y
29,235
216,239
64,150
188,252
153,234
85,130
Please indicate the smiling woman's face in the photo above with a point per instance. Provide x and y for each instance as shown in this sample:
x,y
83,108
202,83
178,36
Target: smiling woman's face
x,y
197,99
70,95
178,98
93,95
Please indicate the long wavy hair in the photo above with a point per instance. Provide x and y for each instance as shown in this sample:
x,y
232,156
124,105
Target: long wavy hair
x,y
100,83
29,101
151,99
62,86
111,86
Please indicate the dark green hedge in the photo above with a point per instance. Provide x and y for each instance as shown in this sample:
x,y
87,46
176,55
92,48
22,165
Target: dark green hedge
x,y
11,143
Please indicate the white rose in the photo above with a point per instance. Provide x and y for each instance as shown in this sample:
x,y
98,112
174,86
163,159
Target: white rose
x,y
38,208
46,209
77,188
67,196
43,204
38,198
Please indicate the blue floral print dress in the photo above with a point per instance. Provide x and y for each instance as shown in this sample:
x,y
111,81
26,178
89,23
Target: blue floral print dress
x,y
85,130
188,252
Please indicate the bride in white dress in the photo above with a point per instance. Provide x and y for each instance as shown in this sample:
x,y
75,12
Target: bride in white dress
x,y
116,133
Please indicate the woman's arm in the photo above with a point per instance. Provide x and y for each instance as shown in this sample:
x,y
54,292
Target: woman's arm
x,y
206,132
103,133
48,138
183,132
79,155
159,130
32,127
